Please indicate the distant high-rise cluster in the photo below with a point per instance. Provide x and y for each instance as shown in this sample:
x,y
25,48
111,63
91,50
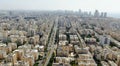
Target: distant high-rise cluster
x,y
96,14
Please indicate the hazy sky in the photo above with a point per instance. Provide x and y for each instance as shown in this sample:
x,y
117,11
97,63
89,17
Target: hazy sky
x,y
86,5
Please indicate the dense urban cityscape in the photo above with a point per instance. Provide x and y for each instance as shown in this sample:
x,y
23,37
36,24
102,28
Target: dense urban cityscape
x,y
59,38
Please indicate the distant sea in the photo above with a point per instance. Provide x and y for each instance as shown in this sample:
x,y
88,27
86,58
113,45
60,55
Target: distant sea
x,y
115,15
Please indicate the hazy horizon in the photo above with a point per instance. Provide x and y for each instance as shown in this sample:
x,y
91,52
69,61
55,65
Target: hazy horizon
x,y
73,5
86,5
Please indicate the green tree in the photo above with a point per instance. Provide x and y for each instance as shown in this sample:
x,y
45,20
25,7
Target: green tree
x,y
6,40
18,43
74,63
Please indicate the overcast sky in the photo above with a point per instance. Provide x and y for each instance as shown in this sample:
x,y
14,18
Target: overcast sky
x,y
86,5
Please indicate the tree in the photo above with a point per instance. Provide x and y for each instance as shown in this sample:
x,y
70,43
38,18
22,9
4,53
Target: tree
x,y
31,41
102,28
18,43
68,37
83,36
6,40
51,60
24,42
74,63
36,64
